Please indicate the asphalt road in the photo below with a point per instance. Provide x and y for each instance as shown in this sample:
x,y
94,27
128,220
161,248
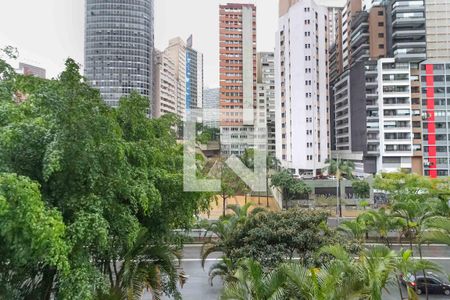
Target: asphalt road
x,y
197,286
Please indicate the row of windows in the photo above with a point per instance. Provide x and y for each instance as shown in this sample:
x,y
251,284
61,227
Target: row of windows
x,y
117,38
130,21
101,59
123,13
436,78
118,45
436,67
437,90
93,25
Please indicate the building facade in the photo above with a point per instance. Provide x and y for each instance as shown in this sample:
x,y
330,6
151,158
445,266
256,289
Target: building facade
x,y
438,29
211,106
435,83
119,41
350,9
301,88
237,23
265,109
194,76
406,30
165,86
177,53
27,69
395,115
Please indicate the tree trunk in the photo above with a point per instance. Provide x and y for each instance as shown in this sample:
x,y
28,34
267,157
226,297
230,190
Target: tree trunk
x,y
399,287
267,191
339,198
224,198
48,277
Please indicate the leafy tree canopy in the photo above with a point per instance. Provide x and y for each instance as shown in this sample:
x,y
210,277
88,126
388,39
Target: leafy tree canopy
x,y
271,237
99,176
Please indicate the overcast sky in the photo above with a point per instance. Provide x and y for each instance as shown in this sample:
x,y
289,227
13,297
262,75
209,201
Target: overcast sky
x,y
46,32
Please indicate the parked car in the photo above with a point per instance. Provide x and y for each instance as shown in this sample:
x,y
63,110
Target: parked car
x,y
435,284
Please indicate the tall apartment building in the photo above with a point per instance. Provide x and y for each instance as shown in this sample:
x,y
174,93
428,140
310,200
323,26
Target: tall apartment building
x,y
438,29
406,30
395,115
335,65
350,9
368,37
435,90
435,82
265,109
301,84
165,86
177,53
194,76
119,41
237,23
355,111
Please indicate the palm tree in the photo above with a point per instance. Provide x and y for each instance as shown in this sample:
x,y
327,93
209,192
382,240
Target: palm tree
x,y
376,266
145,267
224,269
382,221
415,214
341,169
223,229
438,231
250,282
355,229
405,264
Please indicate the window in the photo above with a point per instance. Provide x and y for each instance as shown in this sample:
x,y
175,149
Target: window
x,y
381,13
381,46
381,35
381,24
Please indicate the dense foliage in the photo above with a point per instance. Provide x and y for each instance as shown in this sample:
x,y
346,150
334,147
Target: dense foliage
x,y
85,184
290,187
271,237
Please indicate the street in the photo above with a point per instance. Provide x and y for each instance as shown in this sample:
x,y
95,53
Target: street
x,y
197,286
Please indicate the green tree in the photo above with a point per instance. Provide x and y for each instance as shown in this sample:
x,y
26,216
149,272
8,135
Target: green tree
x,y
32,241
341,169
361,188
272,237
382,221
110,173
231,185
251,282
289,186
413,199
223,230
354,229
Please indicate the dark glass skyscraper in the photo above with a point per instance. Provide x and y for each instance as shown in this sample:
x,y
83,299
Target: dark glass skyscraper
x,y
119,43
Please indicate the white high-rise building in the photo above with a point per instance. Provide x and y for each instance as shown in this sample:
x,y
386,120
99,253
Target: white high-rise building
x,y
301,83
395,115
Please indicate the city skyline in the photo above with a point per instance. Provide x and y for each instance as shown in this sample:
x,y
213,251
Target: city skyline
x,y
57,32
